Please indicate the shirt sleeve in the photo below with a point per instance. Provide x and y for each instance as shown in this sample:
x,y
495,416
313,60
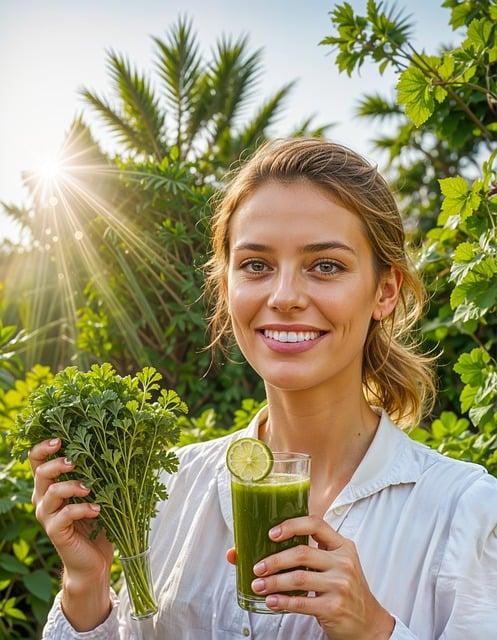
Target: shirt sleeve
x,y
466,586
58,626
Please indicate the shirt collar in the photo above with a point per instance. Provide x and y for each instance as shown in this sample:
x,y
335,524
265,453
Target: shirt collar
x,y
389,460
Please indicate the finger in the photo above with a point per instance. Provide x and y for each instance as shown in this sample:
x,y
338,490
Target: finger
x,y
47,473
300,580
56,495
231,555
294,604
313,526
300,556
61,526
40,452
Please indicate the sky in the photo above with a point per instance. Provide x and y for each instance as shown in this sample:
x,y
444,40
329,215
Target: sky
x,y
49,50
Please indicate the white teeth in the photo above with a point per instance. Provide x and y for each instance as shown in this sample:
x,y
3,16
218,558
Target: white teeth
x,y
291,336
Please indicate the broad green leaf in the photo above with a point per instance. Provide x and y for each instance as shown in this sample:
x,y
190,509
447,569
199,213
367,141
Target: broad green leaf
x,y
39,584
475,288
479,32
446,69
440,94
467,397
459,200
414,91
12,564
472,366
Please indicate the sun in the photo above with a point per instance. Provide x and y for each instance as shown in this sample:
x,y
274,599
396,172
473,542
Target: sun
x,y
49,169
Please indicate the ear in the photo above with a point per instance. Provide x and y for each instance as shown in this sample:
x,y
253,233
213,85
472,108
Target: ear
x,y
387,294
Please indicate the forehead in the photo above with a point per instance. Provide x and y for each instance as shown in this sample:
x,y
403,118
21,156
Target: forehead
x,y
299,213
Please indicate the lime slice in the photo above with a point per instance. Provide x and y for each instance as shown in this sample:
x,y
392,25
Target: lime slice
x,y
249,459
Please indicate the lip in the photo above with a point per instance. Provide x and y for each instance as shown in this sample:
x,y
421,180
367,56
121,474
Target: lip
x,y
290,347
290,327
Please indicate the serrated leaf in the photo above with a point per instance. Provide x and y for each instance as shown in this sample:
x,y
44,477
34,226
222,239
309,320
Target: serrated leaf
x,y
415,93
478,34
459,200
467,397
440,94
446,69
472,366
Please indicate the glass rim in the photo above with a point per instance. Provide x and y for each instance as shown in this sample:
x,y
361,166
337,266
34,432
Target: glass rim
x,y
290,456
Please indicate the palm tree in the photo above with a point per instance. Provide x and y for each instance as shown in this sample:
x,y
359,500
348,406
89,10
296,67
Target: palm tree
x,y
198,103
124,278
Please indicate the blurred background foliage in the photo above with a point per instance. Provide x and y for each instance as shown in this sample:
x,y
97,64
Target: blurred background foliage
x,y
110,265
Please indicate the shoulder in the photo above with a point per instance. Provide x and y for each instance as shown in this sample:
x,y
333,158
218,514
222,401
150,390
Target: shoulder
x,y
461,486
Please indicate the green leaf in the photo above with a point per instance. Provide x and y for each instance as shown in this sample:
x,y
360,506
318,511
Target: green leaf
x,y
479,32
21,550
459,200
477,414
414,91
472,366
467,397
446,69
7,608
39,584
12,564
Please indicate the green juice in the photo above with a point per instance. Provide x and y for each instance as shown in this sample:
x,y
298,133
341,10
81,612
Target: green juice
x,y
257,507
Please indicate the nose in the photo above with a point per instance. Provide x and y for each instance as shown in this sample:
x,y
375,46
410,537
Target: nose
x,y
288,293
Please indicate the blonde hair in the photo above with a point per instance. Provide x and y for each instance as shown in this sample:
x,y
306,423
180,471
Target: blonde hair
x,y
395,375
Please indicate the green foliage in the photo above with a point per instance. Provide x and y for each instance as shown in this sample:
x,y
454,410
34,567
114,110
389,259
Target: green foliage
x,y
206,425
118,438
450,106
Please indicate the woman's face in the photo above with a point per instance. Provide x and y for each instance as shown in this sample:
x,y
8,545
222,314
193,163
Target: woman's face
x,y
301,286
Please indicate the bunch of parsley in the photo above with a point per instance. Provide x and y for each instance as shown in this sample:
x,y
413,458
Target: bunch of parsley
x,y
119,440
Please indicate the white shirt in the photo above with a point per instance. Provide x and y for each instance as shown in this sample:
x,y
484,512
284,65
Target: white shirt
x,y
424,525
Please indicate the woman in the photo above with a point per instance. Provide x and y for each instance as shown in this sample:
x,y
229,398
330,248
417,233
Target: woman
x,y
310,274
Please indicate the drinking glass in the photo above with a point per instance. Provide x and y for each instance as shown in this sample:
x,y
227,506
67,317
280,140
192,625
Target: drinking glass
x,y
257,508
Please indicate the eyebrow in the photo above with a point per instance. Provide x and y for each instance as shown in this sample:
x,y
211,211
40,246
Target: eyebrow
x,y
315,247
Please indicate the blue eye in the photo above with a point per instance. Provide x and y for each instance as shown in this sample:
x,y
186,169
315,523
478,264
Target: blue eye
x,y
333,267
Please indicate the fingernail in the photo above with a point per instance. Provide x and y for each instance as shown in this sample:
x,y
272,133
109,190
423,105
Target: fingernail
x,y
272,601
260,567
275,532
67,461
95,507
53,442
258,585
83,486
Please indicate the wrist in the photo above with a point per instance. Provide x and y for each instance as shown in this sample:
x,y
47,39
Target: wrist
x,y
383,627
85,603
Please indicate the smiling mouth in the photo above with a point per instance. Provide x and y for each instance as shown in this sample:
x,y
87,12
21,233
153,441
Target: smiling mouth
x,y
316,337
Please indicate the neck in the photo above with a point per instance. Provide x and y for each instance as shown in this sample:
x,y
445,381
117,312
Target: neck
x,y
336,431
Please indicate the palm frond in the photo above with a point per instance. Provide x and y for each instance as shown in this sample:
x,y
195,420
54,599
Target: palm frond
x,y
256,129
125,133
178,63
20,215
375,106
234,77
139,103
305,129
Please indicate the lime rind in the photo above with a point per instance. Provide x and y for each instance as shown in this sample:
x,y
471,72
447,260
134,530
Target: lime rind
x,y
249,459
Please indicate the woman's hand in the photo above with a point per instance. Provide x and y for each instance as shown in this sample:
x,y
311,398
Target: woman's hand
x,y
344,605
67,524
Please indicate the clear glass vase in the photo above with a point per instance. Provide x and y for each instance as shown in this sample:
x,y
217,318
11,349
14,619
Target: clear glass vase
x,y
140,586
